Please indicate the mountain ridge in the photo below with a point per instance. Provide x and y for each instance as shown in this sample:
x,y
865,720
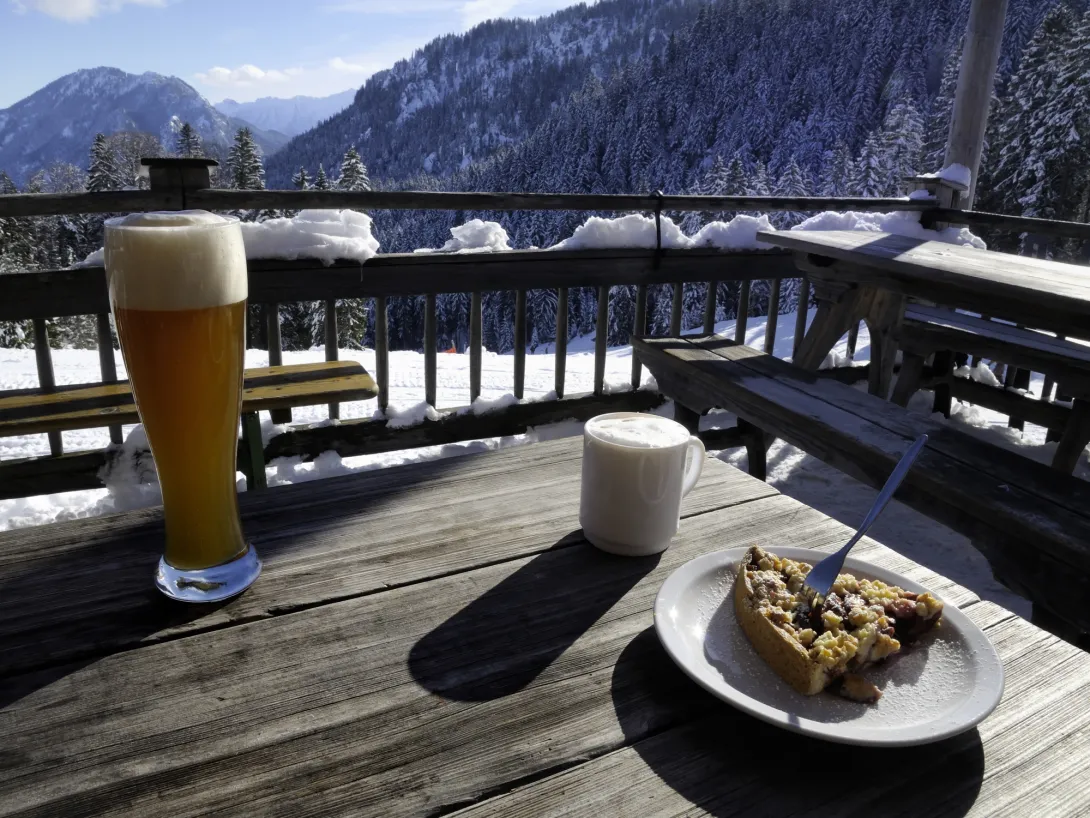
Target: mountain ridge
x,y
290,116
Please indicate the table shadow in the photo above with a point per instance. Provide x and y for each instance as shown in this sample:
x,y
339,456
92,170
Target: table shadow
x,y
503,640
729,763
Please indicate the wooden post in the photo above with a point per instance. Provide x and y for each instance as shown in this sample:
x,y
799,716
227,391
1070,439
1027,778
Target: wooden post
x,y
520,342
382,354
475,341
601,332
675,310
561,351
709,307
107,366
969,116
276,356
743,313
639,328
773,315
331,346
429,348
800,316
44,360
853,340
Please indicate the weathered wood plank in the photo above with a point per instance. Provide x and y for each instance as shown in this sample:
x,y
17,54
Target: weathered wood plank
x,y
89,405
709,309
675,308
601,337
640,327
560,357
107,366
46,383
337,538
82,291
382,353
475,343
332,347
520,342
802,307
742,319
689,769
394,689
773,315
430,348
1038,292
276,354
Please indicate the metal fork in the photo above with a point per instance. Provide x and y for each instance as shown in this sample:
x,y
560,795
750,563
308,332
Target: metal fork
x,y
824,574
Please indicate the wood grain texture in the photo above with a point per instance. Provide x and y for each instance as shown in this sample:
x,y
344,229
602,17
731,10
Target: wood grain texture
x,y
698,766
972,486
319,541
1037,292
411,700
86,406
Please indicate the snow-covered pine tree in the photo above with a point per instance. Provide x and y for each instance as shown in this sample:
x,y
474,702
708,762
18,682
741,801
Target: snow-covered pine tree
x,y
187,142
245,168
321,181
758,182
902,143
870,175
791,183
353,173
102,174
836,171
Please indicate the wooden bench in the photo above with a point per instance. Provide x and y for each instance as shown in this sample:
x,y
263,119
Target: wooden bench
x,y
927,331
86,406
1032,522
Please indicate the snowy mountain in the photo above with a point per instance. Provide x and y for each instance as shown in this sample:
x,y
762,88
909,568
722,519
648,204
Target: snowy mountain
x,y
58,122
462,96
287,116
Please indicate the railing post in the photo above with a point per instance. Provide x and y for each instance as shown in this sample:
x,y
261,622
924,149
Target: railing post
x,y
561,349
276,355
331,353
475,342
773,317
801,308
675,309
742,318
429,349
601,333
107,366
520,342
382,353
639,328
44,360
709,307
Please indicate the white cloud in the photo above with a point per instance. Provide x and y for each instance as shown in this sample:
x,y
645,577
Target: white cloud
x,y
467,12
75,11
342,66
245,76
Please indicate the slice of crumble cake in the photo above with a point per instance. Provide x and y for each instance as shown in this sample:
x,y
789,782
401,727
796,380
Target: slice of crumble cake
x,y
812,642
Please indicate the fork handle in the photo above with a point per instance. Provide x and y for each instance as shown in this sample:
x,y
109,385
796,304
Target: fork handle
x,y
888,490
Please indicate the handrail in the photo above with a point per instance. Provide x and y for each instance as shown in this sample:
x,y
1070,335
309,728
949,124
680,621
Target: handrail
x,y
1018,224
19,205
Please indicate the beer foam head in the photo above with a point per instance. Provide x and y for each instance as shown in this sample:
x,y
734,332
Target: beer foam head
x,y
182,260
639,431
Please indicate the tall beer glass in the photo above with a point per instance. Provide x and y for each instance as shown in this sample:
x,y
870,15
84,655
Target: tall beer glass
x,y
178,291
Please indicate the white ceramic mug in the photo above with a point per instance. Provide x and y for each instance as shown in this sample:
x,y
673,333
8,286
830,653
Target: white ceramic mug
x,y
634,477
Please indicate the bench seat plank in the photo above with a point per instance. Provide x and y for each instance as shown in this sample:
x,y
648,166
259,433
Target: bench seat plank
x,y
1039,518
85,406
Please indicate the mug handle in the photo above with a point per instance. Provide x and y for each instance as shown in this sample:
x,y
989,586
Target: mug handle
x,y
696,466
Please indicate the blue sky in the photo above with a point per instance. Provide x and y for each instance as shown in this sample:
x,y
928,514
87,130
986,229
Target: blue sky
x,y
242,49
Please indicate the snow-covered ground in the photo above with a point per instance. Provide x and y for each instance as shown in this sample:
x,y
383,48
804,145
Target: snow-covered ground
x,y
790,470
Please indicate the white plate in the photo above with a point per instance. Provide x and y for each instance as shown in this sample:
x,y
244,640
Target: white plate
x,y
943,685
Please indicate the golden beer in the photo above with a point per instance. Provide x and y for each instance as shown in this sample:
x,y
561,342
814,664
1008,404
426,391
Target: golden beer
x,y
178,292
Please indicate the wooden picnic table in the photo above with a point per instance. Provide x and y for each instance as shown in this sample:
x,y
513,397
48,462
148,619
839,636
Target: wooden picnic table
x,y
439,639
867,276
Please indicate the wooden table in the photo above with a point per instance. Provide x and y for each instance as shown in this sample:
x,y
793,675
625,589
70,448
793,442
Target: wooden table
x,y
866,276
439,639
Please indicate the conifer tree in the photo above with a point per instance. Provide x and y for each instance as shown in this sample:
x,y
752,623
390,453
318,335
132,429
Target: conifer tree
x,y
300,180
321,181
790,183
102,174
353,173
187,142
245,168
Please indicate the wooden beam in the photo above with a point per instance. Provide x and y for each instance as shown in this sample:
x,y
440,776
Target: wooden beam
x,y
429,348
82,291
561,350
969,116
601,333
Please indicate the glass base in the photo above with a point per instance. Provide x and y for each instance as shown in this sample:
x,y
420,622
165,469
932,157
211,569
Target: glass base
x,y
209,584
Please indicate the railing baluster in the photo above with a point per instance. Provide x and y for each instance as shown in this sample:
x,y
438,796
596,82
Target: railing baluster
x,y
382,353
475,346
639,328
773,315
44,360
743,313
709,307
853,340
520,341
429,348
561,351
675,310
800,315
276,356
107,366
600,337
331,346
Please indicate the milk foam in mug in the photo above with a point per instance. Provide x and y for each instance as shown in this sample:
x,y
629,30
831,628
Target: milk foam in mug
x,y
634,477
